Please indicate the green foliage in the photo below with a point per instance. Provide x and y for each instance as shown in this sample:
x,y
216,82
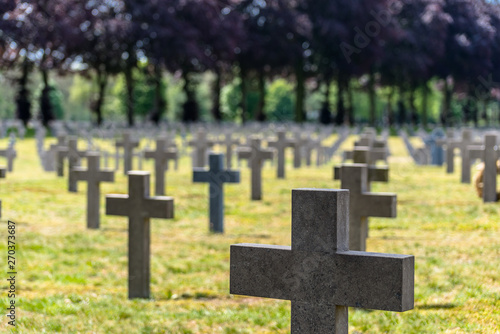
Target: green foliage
x,y
280,102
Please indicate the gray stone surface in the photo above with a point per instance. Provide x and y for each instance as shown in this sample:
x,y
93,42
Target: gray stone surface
x,y
139,207
3,173
363,203
128,144
490,157
94,176
280,144
318,273
74,157
11,154
201,144
61,153
230,142
216,176
161,156
255,156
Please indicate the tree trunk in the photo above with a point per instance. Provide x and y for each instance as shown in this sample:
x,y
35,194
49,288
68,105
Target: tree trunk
x,y
260,114
244,94
159,104
350,109
339,119
390,109
425,103
300,93
446,104
129,80
102,81
325,116
46,111
22,100
216,112
190,107
372,97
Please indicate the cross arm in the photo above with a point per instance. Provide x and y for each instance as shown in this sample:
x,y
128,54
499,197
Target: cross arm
x,y
160,207
117,205
375,173
200,175
378,205
351,278
230,176
476,151
244,152
106,175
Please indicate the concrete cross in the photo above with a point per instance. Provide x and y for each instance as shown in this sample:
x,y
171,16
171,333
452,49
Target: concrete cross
x,y
450,144
61,152
216,176
128,145
318,273
139,208
10,154
200,144
366,155
74,156
2,176
161,156
490,158
298,145
94,176
280,144
256,156
364,204
229,142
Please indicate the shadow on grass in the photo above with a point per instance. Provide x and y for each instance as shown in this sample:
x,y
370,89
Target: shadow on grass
x,y
435,306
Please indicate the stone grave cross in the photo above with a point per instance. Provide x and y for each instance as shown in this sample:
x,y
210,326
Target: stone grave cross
x,y
161,156
139,207
61,152
74,156
256,156
128,145
318,273
94,176
201,144
363,203
216,176
280,144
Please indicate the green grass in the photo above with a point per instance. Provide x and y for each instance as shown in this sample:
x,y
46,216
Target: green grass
x,y
74,280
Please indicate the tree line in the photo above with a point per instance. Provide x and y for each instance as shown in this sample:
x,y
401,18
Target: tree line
x,y
402,46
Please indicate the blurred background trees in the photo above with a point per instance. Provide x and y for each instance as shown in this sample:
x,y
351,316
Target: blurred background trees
x,y
382,62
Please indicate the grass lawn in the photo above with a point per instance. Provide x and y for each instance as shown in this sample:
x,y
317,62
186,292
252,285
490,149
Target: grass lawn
x,y
74,280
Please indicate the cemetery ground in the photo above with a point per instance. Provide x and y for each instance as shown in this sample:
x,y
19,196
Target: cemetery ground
x,y
74,280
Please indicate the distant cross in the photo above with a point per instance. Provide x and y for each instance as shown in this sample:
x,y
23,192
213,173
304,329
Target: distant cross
x,y
364,204
490,158
94,176
200,144
366,155
2,176
74,156
229,142
161,156
280,144
61,152
216,176
128,145
318,273
450,144
298,145
10,154
255,156
139,208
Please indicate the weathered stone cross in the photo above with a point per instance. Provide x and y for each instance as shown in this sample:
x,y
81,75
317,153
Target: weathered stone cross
x,y
280,144
10,154
255,155
201,144
216,176
139,208
318,273
161,156
229,142
363,203
94,176
128,145
490,158
61,152
74,156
